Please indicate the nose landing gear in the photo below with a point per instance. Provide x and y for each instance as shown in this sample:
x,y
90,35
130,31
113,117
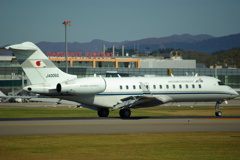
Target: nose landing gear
x,y
218,113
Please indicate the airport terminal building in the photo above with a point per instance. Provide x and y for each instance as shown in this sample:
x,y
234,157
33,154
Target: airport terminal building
x,y
12,77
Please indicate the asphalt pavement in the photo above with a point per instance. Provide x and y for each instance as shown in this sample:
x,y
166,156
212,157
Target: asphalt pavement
x,y
60,126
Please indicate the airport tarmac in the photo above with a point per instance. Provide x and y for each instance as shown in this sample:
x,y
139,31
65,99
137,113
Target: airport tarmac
x,y
235,102
116,125
61,126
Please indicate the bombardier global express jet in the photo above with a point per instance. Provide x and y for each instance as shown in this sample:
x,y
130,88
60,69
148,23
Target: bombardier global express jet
x,y
122,93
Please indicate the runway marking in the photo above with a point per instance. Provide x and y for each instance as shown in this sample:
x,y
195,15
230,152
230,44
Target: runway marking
x,y
220,118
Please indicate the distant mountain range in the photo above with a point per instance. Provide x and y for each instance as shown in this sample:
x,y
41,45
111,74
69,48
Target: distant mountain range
x,y
201,43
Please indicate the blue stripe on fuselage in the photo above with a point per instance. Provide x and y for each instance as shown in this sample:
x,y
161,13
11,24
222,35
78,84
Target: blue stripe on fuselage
x,y
141,94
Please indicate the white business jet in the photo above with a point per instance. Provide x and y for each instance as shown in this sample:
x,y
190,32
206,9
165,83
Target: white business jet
x,y
102,94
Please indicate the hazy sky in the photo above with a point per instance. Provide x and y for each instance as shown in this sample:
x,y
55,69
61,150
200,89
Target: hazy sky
x,y
114,20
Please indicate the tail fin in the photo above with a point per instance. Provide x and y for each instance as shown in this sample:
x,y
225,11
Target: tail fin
x,y
38,68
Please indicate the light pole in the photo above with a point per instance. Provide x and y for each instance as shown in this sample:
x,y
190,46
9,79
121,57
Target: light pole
x,y
66,23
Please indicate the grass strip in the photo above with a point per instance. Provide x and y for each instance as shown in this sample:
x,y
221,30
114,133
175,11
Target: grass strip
x,y
181,146
32,112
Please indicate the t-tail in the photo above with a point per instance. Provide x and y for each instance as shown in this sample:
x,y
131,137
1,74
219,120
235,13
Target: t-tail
x,y
42,73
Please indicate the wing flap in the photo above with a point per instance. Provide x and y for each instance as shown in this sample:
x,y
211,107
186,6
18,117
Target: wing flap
x,y
164,98
142,101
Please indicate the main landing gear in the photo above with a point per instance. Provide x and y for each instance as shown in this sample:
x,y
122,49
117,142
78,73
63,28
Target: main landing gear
x,y
218,113
124,113
103,112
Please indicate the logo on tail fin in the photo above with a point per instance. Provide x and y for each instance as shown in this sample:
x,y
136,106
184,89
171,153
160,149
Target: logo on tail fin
x,y
38,63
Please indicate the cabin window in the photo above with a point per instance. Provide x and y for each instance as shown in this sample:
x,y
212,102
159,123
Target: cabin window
x,y
173,86
127,87
121,87
221,83
147,86
134,87
160,86
199,86
180,86
154,86
186,86
140,87
193,86
167,86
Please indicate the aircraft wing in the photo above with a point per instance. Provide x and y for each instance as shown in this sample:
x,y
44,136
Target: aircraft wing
x,y
145,100
55,101
164,98
142,101
6,98
26,97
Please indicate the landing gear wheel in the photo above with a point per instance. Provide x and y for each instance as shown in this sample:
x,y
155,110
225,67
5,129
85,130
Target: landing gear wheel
x,y
103,112
125,113
218,113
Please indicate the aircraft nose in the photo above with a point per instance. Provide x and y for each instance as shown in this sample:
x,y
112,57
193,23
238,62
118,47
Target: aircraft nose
x,y
234,93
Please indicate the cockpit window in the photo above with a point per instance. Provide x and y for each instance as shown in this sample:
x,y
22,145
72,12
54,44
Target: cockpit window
x,y
221,83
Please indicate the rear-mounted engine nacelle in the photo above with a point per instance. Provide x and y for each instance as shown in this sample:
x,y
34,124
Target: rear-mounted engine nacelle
x,y
91,85
41,89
